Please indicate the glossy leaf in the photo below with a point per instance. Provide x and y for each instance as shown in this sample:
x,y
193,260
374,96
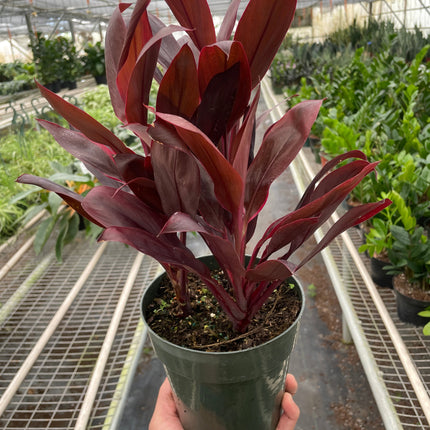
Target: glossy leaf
x,y
229,21
178,93
117,208
353,217
228,186
83,122
114,43
197,17
281,143
177,178
93,156
261,29
74,200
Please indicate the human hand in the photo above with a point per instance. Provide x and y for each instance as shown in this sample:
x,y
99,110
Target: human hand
x,y
165,416
291,411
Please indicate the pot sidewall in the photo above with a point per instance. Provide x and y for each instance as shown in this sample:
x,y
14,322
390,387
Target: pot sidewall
x,y
378,274
226,390
408,308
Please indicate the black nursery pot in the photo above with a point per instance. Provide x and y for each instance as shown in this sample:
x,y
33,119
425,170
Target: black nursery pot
x,y
408,308
379,275
226,390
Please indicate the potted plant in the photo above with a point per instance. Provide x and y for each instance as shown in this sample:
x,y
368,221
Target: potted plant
x,y
197,172
410,263
379,238
94,62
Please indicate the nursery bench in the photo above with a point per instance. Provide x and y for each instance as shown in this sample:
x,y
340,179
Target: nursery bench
x,y
17,111
395,356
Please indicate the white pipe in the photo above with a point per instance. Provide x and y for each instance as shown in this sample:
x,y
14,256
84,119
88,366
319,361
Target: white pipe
x,y
16,257
85,412
49,331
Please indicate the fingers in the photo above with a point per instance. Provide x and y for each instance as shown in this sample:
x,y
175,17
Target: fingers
x,y
165,416
291,411
291,384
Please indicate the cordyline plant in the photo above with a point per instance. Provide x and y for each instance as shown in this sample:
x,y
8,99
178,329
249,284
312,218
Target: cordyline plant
x,y
197,171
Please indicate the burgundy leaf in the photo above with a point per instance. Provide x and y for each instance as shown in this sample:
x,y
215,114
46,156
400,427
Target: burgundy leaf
x,y
92,155
178,93
140,81
261,29
325,169
111,207
229,21
287,233
281,143
74,200
270,270
353,217
177,255
177,178
136,171
196,16
83,122
169,45
114,43
181,223
241,148
322,207
228,186
215,109
156,247
217,59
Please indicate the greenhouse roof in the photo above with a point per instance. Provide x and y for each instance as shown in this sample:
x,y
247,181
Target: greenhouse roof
x,y
50,16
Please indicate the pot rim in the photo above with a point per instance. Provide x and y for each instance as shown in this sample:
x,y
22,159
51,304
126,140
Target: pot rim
x,y
224,353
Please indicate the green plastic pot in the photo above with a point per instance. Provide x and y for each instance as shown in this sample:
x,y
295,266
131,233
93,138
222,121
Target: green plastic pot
x,y
226,390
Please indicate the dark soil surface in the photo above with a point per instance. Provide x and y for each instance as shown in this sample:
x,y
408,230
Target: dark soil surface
x,y
207,328
402,285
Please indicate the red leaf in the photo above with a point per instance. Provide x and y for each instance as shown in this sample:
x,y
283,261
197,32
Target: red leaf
x,y
117,208
228,186
241,146
287,233
139,84
74,200
261,29
136,171
169,45
114,43
92,155
219,58
178,93
353,217
83,122
271,270
196,16
138,34
281,143
215,110
325,169
177,177
229,21
156,247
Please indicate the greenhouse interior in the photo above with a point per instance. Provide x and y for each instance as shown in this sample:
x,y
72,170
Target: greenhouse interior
x,y
349,77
